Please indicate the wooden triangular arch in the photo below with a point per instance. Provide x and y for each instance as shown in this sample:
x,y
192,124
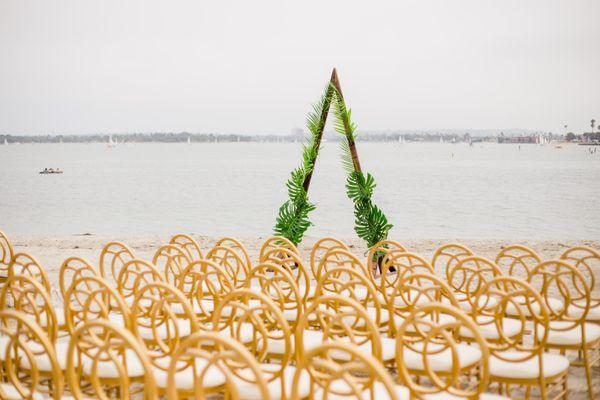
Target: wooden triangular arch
x,y
292,221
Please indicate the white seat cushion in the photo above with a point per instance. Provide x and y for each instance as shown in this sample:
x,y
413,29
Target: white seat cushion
x,y
443,319
553,364
184,379
442,360
245,334
207,306
107,369
161,331
555,304
510,328
249,391
593,313
570,336
11,393
42,361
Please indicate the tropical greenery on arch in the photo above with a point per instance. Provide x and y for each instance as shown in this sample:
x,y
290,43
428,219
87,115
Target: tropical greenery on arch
x,y
292,221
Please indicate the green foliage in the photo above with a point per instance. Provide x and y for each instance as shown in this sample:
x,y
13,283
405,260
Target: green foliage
x,y
292,220
370,223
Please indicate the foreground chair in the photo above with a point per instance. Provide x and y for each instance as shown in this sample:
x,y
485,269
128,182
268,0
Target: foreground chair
x,y
587,261
340,370
207,363
517,260
254,320
23,342
236,265
517,358
25,264
6,255
108,361
428,347
562,284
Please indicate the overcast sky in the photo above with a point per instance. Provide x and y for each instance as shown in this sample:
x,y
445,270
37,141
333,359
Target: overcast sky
x,y
75,66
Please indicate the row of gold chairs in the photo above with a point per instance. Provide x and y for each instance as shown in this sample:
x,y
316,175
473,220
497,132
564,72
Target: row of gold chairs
x,y
278,310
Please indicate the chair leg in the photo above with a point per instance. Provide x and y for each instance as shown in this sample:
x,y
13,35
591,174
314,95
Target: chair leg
x,y
588,372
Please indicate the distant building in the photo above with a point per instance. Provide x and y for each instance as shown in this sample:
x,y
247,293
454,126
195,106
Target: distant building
x,y
518,139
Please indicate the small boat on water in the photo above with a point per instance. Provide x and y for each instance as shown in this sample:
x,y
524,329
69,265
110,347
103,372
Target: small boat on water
x,y
51,171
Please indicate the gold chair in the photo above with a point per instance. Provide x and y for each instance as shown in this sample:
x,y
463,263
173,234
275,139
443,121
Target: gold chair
x,y
171,260
396,264
71,269
134,275
290,261
412,291
24,343
237,247
187,244
338,257
517,260
6,255
359,376
206,363
275,242
90,298
277,283
350,283
109,362
587,261
235,265
563,284
378,252
339,318
468,276
112,258
205,284
320,248
255,320
25,264
162,326
447,256
516,358
428,347
30,298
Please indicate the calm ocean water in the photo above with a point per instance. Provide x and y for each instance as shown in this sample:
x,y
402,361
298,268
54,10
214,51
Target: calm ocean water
x,y
427,190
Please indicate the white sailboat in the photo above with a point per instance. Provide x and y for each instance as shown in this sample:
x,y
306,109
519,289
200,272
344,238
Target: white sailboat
x,y
5,142
110,142
189,140
441,139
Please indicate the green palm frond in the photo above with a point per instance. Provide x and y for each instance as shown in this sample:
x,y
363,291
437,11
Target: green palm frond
x,y
292,220
370,223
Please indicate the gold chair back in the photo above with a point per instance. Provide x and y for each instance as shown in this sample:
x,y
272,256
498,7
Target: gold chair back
x,y
587,261
238,247
358,376
25,264
447,256
217,364
235,265
275,242
24,344
468,276
30,298
432,331
71,269
278,284
338,257
134,275
378,252
187,244
6,255
112,258
517,260
171,260
290,261
103,358
320,248
255,320
205,284
90,298
396,264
